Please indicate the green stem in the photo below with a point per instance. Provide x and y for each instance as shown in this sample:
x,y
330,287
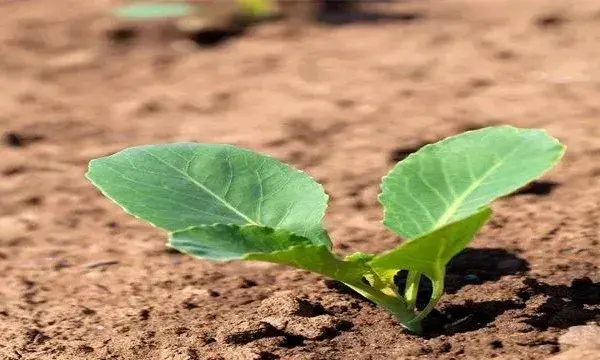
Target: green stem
x,y
438,291
396,306
411,289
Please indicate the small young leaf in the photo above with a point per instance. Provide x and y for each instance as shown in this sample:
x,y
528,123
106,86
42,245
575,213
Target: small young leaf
x,y
154,10
182,185
451,180
430,253
251,242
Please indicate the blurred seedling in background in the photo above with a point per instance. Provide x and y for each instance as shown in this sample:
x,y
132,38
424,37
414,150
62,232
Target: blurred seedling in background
x,y
229,16
221,202
197,15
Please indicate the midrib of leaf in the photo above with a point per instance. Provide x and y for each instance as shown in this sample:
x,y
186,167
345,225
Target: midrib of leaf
x,y
207,190
460,199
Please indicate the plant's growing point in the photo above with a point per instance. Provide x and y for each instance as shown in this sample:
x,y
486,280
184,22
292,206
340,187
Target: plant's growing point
x,y
221,202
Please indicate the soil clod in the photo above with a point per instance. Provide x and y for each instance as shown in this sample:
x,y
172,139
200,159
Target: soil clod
x,y
85,349
285,303
244,331
313,328
582,335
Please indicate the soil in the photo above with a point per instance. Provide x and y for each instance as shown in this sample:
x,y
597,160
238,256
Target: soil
x,y
340,99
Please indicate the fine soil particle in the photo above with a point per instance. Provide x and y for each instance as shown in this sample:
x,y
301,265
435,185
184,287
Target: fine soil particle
x,y
343,100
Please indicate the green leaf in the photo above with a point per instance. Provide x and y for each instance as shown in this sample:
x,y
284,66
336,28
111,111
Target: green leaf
x,y
154,10
430,253
319,259
182,185
360,257
257,7
251,242
232,242
451,180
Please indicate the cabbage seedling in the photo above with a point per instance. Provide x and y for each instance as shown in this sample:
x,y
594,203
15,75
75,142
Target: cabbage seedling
x,y
221,202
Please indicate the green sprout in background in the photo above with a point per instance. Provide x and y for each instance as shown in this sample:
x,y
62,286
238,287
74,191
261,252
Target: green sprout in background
x,y
165,9
221,202
155,10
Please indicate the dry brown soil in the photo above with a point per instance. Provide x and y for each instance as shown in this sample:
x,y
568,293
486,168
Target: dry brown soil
x,y
82,280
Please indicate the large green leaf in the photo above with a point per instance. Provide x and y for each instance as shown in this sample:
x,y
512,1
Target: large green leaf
x,y
451,180
430,253
182,185
251,242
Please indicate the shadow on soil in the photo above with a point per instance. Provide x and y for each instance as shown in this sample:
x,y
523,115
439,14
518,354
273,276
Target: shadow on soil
x,y
470,267
476,266
350,17
538,187
346,12
468,317
543,305
563,306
